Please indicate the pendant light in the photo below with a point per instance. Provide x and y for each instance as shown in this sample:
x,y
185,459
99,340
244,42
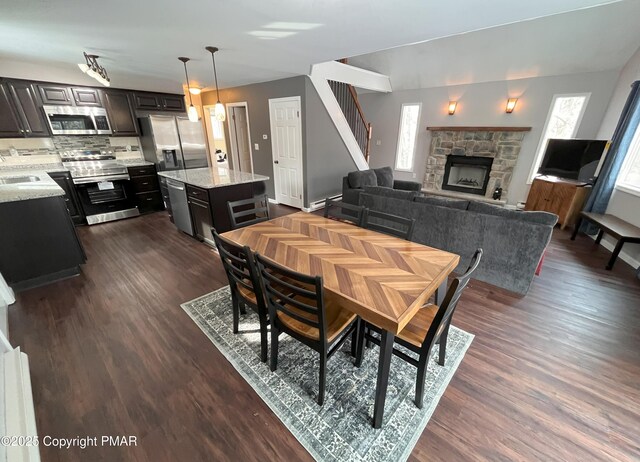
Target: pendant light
x,y
219,112
192,112
95,70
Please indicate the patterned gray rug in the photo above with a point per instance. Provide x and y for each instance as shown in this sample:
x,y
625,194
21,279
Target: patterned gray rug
x,y
341,430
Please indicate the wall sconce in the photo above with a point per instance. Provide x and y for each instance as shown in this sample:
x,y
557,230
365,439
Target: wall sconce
x,y
511,104
452,107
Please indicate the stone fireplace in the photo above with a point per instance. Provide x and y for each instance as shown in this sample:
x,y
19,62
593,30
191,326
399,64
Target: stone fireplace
x,y
474,160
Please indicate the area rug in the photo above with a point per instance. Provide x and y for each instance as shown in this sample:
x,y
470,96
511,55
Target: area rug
x,y
340,430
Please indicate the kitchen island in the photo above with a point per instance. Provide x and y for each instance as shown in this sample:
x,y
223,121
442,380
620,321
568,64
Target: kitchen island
x,y
197,198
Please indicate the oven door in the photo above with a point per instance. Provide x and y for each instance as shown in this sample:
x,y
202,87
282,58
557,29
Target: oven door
x,y
107,200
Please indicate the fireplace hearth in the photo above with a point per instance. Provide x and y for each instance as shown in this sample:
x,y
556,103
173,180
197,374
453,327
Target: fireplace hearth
x,y
469,174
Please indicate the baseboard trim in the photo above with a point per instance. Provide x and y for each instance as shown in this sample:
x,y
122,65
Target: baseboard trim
x,y
273,201
625,257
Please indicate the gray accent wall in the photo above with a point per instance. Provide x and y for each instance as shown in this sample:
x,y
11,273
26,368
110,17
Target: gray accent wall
x,y
482,104
325,157
257,98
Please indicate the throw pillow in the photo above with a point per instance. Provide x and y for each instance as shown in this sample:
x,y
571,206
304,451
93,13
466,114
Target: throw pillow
x,y
384,176
360,179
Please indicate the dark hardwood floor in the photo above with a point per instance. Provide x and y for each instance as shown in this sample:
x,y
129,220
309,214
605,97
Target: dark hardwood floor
x,y
551,376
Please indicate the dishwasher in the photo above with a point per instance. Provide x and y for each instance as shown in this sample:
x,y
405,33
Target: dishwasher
x,y
180,206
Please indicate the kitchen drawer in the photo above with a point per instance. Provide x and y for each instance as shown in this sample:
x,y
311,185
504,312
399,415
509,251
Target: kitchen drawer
x,y
142,170
149,202
198,193
145,183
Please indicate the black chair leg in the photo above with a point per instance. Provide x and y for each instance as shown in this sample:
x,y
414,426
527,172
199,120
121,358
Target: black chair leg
x,y
263,340
361,340
323,374
443,345
422,372
366,333
354,338
236,314
243,309
274,348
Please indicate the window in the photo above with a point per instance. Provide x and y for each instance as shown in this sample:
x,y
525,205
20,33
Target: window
x,y
629,177
563,121
409,118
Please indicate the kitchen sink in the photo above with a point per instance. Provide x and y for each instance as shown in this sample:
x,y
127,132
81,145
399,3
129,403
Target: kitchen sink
x,y
19,179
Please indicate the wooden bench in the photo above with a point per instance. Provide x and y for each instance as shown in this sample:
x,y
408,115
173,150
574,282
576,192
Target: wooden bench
x,y
614,226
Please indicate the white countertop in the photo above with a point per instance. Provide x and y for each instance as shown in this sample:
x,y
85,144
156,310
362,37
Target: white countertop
x,y
212,177
44,187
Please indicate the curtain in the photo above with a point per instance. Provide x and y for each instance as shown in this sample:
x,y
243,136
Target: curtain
x,y
622,137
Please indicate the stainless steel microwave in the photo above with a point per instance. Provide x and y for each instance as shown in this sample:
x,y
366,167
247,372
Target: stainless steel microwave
x,y
71,120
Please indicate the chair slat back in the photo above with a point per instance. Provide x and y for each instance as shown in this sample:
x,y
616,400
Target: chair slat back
x,y
339,210
448,306
250,211
297,295
387,223
238,263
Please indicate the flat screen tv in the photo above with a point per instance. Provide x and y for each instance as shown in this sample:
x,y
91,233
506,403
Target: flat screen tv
x,y
572,159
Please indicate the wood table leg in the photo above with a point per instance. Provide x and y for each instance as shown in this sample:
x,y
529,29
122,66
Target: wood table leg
x,y
441,292
599,238
616,252
576,229
384,363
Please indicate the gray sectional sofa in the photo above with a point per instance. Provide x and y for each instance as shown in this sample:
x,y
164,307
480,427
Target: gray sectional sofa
x,y
513,241
354,183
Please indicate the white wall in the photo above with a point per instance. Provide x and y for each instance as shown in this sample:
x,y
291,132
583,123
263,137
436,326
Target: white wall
x,y
622,204
482,104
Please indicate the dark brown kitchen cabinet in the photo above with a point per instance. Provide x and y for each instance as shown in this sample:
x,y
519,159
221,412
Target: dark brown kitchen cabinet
x,y
144,182
86,96
29,109
56,94
159,102
201,219
70,196
173,103
120,113
9,125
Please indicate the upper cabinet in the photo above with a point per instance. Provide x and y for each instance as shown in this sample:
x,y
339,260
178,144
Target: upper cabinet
x,y
86,96
56,94
159,102
21,111
120,113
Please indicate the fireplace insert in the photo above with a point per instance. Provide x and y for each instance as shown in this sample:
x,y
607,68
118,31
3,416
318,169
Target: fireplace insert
x,y
469,174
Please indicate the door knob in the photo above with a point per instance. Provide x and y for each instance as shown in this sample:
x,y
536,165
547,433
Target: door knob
x,y
276,162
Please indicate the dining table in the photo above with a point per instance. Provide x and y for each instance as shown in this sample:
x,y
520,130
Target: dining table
x,y
383,279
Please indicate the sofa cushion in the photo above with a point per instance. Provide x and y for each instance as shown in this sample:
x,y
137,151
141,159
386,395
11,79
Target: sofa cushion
x,y
542,218
389,192
443,202
361,178
384,175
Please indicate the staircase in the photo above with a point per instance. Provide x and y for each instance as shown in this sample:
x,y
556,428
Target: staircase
x,y
348,100
335,84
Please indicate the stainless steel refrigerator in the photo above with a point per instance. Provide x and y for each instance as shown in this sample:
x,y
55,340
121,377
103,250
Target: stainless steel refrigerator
x,y
173,143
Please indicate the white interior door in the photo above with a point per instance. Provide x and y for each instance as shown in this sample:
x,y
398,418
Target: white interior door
x,y
286,143
240,138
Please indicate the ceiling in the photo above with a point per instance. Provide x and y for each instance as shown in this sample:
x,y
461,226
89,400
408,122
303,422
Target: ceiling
x,y
587,40
139,41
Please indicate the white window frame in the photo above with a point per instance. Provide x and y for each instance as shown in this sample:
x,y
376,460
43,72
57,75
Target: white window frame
x,y
541,144
633,157
415,141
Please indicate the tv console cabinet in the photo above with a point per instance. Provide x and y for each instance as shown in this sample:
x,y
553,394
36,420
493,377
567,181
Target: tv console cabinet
x,y
565,198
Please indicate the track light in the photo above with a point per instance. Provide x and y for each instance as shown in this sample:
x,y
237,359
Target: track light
x,y
95,70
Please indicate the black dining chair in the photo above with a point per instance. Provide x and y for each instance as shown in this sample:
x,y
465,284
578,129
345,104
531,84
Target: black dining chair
x,y
429,326
299,307
244,283
339,210
250,211
387,223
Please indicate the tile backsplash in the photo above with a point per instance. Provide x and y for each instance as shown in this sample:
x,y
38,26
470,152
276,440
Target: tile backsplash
x,y
53,145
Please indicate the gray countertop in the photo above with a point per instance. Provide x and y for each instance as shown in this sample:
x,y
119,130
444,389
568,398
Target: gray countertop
x,y
212,177
44,187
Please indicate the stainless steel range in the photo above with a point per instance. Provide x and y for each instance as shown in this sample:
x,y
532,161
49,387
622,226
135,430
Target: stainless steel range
x,y
103,185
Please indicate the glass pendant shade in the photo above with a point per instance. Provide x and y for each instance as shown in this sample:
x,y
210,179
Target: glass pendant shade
x,y
219,112
193,113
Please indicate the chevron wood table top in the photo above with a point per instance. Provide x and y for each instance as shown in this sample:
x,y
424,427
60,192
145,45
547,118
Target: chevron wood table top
x,y
382,278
